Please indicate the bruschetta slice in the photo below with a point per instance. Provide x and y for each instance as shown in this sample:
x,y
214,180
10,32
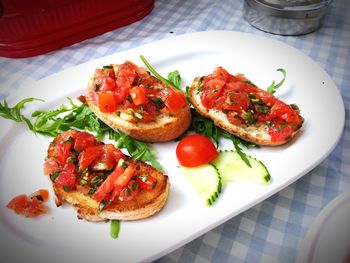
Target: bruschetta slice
x,y
238,106
100,181
128,98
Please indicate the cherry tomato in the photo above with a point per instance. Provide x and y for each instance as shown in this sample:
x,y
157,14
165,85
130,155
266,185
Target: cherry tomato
x,y
194,150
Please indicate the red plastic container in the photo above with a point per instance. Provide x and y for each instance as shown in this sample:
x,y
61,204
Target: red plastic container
x,y
30,28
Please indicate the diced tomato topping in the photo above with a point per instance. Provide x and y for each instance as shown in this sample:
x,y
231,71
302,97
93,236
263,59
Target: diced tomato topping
x,y
211,91
29,206
90,154
108,159
108,185
126,176
283,111
62,152
106,71
77,161
107,84
173,100
129,191
234,118
67,177
139,95
245,103
134,88
83,141
18,203
280,133
107,102
146,182
51,166
41,194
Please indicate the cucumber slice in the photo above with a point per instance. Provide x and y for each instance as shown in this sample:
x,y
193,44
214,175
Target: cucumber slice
x,y
231,167
205,180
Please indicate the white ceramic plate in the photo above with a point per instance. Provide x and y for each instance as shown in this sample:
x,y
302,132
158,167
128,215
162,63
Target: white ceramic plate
x,y
328,239
60,236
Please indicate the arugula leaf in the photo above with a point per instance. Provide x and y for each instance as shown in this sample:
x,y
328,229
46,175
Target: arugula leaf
x,y
272,88
115,228
14,113
138,150
54,122
174,77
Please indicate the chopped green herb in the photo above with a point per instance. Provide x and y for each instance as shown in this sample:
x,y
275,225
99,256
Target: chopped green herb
x,y
54,176
249,118
158,103
143,177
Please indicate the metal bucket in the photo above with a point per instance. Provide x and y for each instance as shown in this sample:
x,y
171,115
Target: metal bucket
x,y
286,17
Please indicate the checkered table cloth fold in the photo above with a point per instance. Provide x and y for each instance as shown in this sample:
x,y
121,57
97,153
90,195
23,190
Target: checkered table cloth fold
x,y
272,230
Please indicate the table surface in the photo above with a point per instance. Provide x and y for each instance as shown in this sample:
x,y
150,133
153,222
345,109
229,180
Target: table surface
x,y
271,231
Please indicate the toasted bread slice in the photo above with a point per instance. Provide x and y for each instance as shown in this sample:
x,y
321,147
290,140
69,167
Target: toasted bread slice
x,y
165,127
145,204
100,181
257,133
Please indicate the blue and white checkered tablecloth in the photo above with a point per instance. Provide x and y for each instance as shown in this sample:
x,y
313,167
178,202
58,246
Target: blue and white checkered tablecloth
x,y
272,230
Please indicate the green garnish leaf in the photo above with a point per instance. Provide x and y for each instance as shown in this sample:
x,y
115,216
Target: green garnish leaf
x,y
54,122
273,87
174,76
138,150
14,113
115,228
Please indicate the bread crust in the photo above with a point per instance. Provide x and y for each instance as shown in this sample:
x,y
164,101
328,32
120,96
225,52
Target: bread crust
x,y
145,204
256,133
165,128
